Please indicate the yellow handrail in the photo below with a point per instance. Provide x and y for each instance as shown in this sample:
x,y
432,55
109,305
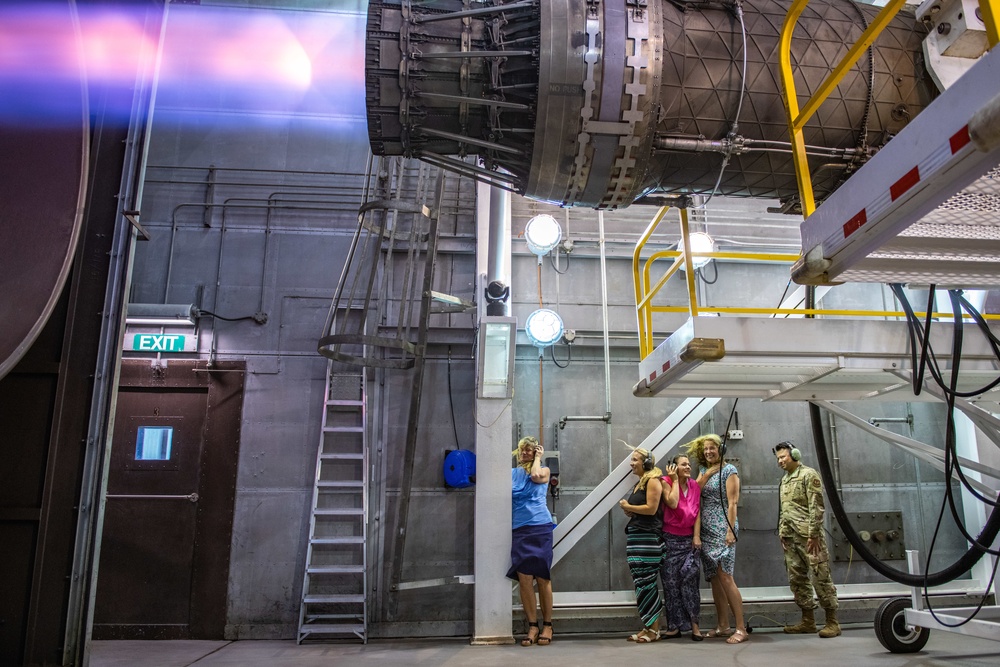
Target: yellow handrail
x,y
798,119
990,10
644,316
641,272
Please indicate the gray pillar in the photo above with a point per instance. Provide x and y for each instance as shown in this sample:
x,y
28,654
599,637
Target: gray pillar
x,y
493,601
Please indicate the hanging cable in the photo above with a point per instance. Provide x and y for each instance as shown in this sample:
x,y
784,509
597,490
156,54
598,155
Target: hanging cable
x,y
723,496
451,402
552,351
737,8
554,261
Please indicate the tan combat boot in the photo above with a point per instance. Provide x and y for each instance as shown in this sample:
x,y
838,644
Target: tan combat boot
x,y
806,626
832,627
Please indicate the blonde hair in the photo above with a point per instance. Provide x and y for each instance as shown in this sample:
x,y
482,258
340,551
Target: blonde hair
x,y
649,474
696,448
522,444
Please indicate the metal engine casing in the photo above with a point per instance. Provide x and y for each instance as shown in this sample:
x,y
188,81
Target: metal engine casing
x,y
568,101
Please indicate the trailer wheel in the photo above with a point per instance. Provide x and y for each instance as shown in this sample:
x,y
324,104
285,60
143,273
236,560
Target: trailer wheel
x,y
891,630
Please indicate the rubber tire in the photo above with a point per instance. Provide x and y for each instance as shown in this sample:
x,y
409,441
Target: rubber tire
x,y
891,630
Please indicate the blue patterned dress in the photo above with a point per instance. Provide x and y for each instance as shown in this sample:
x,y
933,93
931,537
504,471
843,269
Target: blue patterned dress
x,y
714,524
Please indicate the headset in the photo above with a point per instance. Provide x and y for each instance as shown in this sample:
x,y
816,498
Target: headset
x,y
793,451
647,462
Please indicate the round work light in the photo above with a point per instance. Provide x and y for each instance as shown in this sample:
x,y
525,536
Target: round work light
x,y
542,234
700,242
544,327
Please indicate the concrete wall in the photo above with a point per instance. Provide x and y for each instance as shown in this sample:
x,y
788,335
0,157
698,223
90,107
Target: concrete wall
x,y
288,178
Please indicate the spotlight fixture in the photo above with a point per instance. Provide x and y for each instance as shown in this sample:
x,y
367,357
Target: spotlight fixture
x,y
544,327
700,242
542,234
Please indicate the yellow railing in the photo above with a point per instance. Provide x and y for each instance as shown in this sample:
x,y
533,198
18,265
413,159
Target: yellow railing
x,y
798,119
990,9
645,292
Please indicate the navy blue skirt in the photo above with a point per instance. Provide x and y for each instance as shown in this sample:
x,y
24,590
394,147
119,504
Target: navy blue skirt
x,y
531,552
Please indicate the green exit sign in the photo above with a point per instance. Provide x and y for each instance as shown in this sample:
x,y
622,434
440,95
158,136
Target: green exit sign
x,y
150,342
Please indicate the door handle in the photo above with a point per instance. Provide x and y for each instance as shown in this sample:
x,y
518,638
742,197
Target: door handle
x,y
191,497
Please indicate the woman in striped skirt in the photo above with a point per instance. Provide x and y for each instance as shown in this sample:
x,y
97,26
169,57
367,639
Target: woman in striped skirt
x,y
644,543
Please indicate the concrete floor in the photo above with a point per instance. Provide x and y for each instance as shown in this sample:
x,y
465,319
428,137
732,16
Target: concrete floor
x,y
856,648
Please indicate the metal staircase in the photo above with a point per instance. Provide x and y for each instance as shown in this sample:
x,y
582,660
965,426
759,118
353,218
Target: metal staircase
x,y
334,585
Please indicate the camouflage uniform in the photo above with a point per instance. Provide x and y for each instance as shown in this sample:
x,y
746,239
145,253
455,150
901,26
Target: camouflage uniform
x,y
800,517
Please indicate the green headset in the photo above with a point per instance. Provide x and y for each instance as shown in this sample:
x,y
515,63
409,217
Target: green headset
x,y
793,451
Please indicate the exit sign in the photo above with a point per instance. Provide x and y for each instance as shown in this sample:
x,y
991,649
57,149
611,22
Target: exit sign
x,y
150,342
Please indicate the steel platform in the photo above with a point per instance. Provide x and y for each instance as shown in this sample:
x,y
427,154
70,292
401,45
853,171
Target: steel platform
x,y
924,209
803,359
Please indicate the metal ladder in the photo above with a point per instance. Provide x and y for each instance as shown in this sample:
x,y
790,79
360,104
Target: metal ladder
x,y
335,581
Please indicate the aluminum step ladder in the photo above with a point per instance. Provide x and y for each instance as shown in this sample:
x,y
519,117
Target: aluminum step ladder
x,y
335,580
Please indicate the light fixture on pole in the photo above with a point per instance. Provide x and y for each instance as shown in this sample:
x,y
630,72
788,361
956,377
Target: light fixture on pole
x,y
543,234
700,242
543,327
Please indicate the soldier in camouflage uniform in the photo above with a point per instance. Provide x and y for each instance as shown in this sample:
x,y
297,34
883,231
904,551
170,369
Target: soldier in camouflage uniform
x,y
800,527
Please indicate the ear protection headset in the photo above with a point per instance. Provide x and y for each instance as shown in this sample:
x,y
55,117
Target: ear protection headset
x,y
647,462
793,451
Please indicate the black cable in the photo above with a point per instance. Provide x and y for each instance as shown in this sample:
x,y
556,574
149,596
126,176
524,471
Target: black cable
x,y
552,351
950,573
699,272
202,311
737,9
927,580
552,261
723,495
451,402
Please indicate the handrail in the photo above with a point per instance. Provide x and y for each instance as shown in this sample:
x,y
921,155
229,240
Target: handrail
x,y
644,294
797,119
644,316
990,10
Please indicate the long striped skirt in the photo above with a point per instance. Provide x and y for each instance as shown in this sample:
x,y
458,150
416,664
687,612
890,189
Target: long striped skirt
x,y
644,553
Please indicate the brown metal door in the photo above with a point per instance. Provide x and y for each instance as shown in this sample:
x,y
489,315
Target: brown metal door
x,y
168,512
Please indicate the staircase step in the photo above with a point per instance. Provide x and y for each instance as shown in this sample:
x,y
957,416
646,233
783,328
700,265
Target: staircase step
x,y
341,484
338,540
335,569
338,511
345,402
333,599
331,629
343,429
345,457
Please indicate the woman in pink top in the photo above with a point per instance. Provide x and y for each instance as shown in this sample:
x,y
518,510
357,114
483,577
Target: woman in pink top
x,y
682,542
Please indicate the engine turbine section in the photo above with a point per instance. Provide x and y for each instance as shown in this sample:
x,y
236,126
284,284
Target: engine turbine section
x,y
601,103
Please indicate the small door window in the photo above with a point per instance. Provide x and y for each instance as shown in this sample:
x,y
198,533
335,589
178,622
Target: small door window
x,y
153,443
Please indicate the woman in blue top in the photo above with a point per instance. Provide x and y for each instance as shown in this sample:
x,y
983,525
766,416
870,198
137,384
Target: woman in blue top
x,y
720,494
531,546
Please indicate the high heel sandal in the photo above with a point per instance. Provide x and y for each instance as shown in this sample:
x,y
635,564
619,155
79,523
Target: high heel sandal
x,y
545,641
529,640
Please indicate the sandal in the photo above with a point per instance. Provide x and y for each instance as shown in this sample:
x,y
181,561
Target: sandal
x,y
529,640
648,636
738,637
542,639
718,633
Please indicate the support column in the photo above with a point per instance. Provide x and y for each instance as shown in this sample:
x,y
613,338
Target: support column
x,y
492,615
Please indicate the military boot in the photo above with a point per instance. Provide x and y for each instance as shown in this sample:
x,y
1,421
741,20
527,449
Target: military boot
x,y
806,626
832,627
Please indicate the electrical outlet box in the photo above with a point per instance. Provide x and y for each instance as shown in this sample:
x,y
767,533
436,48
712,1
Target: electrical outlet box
x,y
736,435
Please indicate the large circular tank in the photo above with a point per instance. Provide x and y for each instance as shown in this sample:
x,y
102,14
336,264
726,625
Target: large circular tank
x,y
603,102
